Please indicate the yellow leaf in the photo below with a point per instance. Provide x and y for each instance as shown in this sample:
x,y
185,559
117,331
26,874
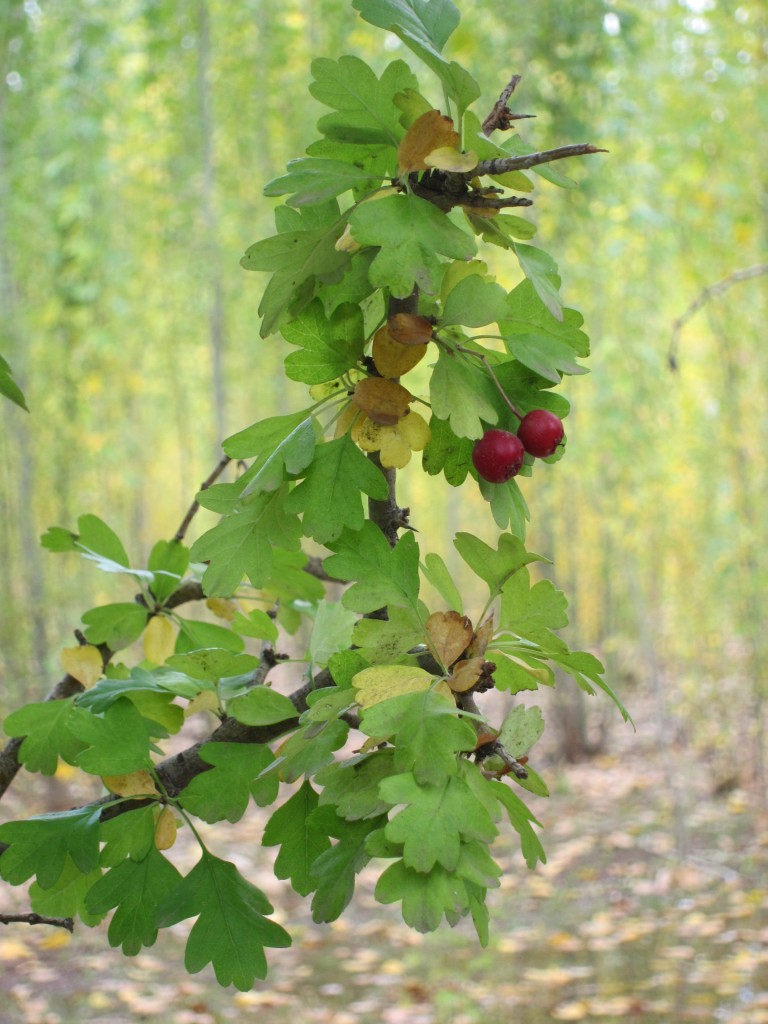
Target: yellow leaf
x,y
58,938
466,674
431,131
391,357
222,607
84,663
205,701
449,633
380,682
415,429
395,443
383,401
446,158
159,639
138,783
345,242
395,452
165,829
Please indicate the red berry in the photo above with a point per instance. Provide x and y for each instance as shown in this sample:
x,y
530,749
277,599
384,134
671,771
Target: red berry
x,y
540,432
498,456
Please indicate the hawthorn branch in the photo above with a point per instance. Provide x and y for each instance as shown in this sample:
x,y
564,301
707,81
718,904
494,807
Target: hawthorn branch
x,y
504,164
195,506
32,918
704,296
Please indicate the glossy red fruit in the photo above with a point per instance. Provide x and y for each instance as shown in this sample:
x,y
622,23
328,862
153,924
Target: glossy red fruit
x,y
498,456
540,432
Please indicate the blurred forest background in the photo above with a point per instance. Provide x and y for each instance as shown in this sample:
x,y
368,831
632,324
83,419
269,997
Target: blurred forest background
x,y
135,139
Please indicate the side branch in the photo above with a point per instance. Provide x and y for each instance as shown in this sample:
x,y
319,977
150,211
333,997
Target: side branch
x,y
32,918
501,165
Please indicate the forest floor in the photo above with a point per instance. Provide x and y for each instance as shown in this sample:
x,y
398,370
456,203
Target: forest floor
x,y
646,911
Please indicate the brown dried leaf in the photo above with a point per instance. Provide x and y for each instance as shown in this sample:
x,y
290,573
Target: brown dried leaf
x,y
409,329
383,401
431,131
449,633
481,639
465,674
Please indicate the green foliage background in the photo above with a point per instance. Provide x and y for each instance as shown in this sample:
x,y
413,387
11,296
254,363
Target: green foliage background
x,y
135,140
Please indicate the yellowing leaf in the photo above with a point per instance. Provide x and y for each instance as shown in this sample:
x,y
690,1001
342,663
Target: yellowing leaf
x,y
84,663
465,674
159,639
446,158
204,701
383,401
165,829
138,783
431,131
345,242
222,607
380,682
391,357
409,329
394,444
449,633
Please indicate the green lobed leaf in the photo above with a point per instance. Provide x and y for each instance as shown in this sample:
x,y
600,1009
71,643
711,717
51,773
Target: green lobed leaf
x,y
532,612
67,897
243,544
447,453
117,625
352,787
521,819
223,793
311,749
134,889
462,392
300,842
261,706
409,231
426,896
383,575
45,728
130,834
436,572
315,180
232,929
330,346
521,728
329,496
334,872
331,632
541,270
495,566
194,635
386,640
168,561
117,742
39,845
474,302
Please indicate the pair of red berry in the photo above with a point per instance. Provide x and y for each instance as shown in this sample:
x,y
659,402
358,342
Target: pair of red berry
x,y
498,455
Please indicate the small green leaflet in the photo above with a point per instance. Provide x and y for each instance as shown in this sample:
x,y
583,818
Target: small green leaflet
x,y
329,496
329,346
292,455
116,625
521,819
231,930
532,612
383,575
194,635
425,897
47,738
366,114
495,567
331,632
39,845
208,666
297,259
67,897
244,542
586,669
474,302
434,820
261,439
428,734
134,888
314,180
436,572
526,314
333,873
130,834
425,26
261,706
541,270
447,453
168,561
508,506
225,791
353,788
311,748
255,624
300,842
117,742
385,640
409,232
521,728
8,386
462,392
